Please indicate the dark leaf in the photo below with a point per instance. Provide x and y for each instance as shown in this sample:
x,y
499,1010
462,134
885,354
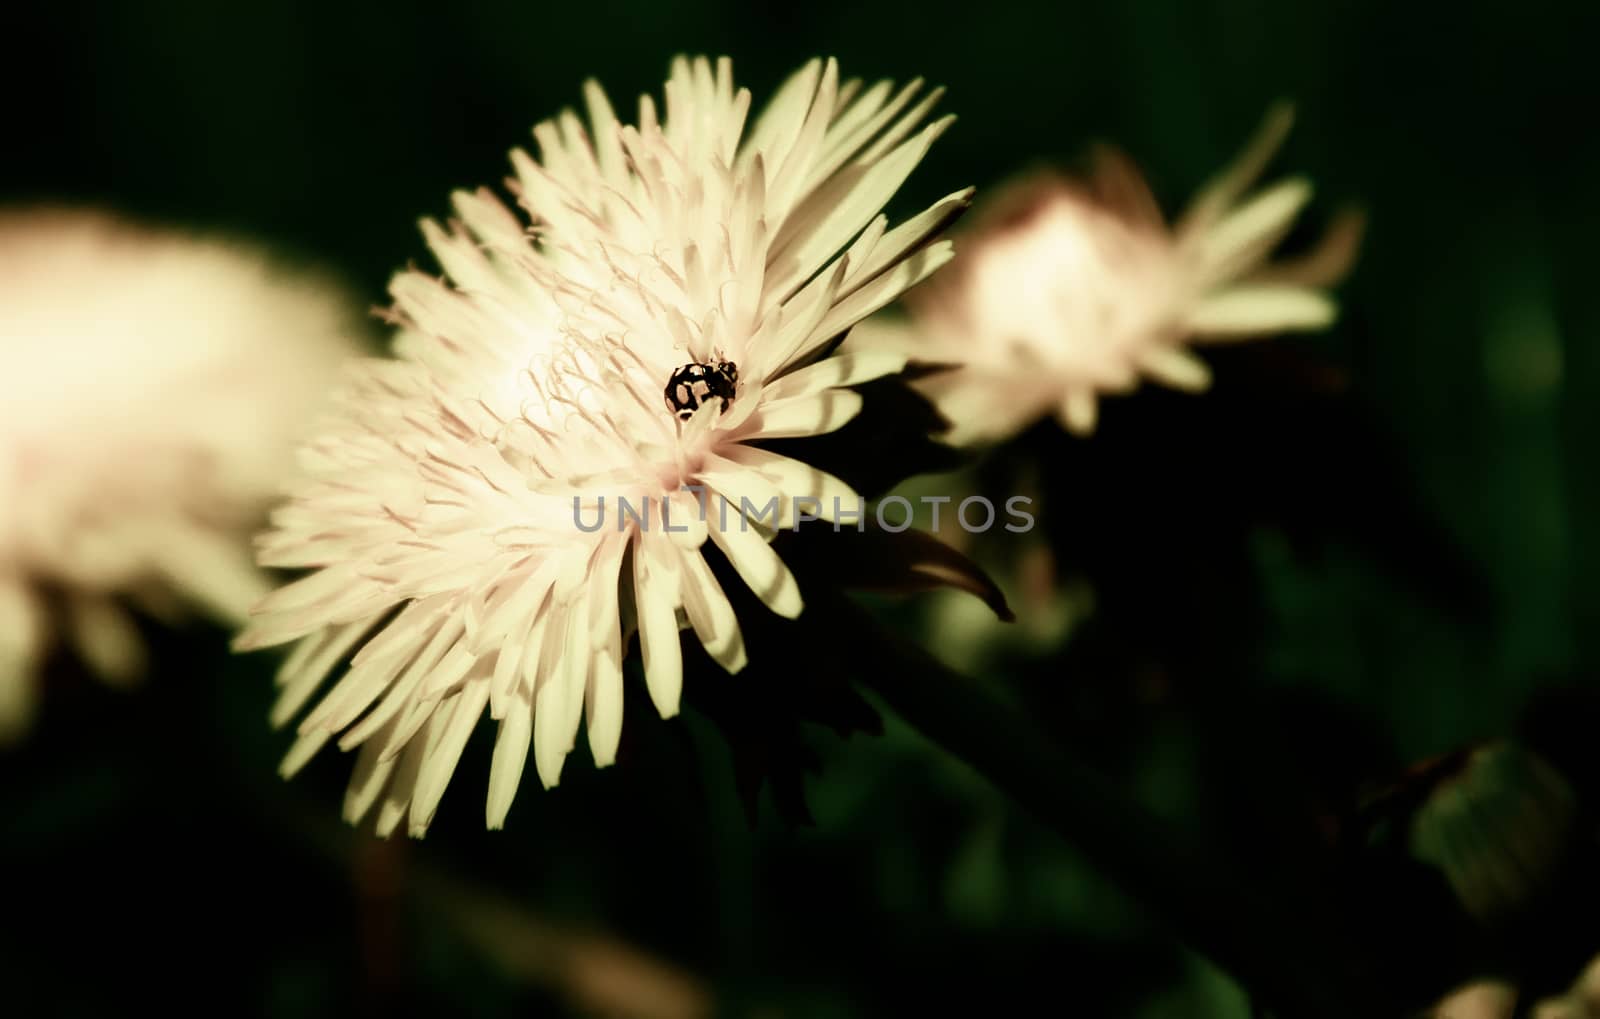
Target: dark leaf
x,y
1501,828
798,675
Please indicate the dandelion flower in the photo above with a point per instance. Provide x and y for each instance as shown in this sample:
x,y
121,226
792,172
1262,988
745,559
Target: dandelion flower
x,y
151,389
675,304
1071,289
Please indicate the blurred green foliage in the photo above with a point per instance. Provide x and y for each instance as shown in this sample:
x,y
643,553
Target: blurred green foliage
x,y
1430,560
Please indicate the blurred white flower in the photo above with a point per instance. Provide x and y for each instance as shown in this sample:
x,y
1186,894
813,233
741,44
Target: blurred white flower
x,y
1484,999
152,387
1497,999
1069,289
1582,1000
673,305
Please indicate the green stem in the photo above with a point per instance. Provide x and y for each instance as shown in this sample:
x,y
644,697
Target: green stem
x,y
1279,950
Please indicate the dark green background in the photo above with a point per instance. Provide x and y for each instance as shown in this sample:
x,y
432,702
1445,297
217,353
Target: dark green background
x,y
150,851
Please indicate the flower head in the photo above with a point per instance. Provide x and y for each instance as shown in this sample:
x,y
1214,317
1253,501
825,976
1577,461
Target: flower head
x,y
152,386
576,411
1070,289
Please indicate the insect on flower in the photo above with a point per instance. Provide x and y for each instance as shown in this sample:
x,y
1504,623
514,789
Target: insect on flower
x,y
695,383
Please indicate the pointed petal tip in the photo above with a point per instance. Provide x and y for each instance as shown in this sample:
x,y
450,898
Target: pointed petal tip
x,y
300,754
246,641
495,811
389,817
790,607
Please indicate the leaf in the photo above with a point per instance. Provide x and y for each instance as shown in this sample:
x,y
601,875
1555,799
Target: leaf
x,y
797,676
1501,830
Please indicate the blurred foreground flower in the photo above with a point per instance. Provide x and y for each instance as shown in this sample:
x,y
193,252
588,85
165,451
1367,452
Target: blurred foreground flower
x,y
1485,999
1070,289
152,386
502,505
1581,1001
1497,999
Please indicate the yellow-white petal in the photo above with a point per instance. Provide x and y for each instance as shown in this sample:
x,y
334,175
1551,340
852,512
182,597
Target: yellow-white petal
x,y
825,412
1242,239
845,369
655,581
1246,311
510,758
1175,367
710,613
1079,410
461,712
369,779
758,565
106,638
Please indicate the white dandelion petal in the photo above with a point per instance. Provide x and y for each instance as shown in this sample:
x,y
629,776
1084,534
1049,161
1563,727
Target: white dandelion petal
x,y
748,492
756,562
511,744
397,796
569,426
656,593
1077,289
603,701
1244,237
21,635
105,637
801,416
301,752
300,679
1225,190
1175,367
804,488
885,288
1079,411
368,782
152,387
462,711
837,372
1250,310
